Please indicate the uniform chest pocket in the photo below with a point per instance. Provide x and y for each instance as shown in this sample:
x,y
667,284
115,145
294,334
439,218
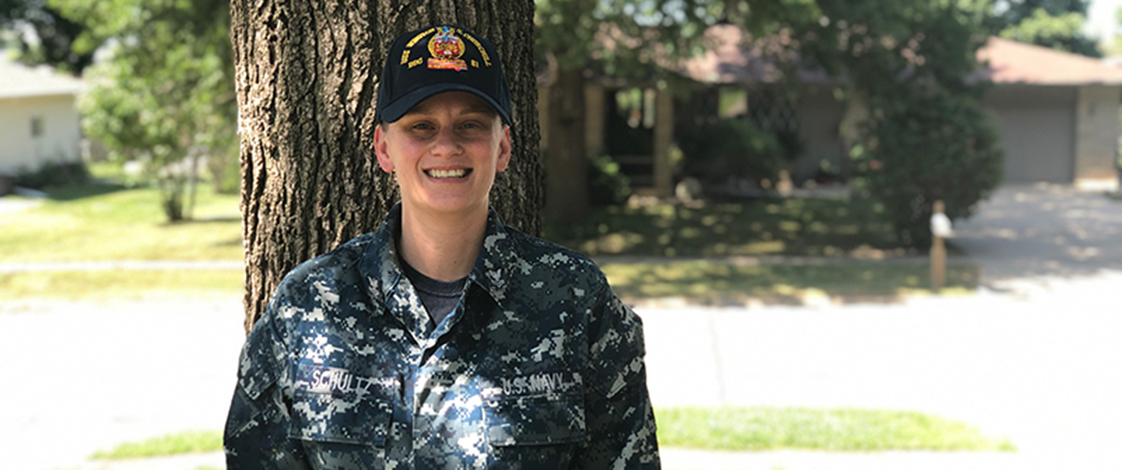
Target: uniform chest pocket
x,y
541,419
332,405
324,417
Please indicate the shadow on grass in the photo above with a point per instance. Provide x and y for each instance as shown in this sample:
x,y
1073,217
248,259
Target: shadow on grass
x,y
717,282
72,193
206,220
791,227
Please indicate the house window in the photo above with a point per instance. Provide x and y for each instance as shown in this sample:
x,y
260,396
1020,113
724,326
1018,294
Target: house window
x,y
732,102
637,106
37,126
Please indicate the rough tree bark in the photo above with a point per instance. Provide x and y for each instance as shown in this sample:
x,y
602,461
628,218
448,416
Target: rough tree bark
x,y
306,76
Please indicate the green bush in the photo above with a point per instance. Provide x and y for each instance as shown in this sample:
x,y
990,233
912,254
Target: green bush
x,y
54,174
716,150
928,147
607,185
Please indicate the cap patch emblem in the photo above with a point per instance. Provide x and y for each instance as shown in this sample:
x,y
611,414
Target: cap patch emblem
x,y
446,49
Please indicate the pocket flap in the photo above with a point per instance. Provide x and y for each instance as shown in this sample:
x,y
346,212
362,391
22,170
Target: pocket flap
x,y
535,420
347,419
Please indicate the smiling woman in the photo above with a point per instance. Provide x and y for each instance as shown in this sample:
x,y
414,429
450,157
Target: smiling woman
x,y
445,154
477,345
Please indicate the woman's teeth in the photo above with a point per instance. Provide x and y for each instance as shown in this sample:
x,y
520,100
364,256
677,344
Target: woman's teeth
x,y
447,173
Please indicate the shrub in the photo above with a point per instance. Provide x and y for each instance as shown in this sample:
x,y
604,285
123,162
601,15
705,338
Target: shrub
x,y
60,173
718,150
607,185
927,147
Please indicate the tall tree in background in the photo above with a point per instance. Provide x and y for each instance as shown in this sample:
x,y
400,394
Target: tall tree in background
x,y
58,40
926,137
164,95
1056,24
306,77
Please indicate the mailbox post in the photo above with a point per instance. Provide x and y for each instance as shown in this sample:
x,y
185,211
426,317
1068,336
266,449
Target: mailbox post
x,y
940,230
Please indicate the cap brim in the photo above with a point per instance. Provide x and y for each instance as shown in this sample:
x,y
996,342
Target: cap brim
x,y
397,109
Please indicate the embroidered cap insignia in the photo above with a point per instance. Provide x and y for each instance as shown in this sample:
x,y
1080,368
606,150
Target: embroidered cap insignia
x,y
446,49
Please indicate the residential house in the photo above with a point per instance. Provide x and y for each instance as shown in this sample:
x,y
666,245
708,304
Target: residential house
x,y
1057,113
38,119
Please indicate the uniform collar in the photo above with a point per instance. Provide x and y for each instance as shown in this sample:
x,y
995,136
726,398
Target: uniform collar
x,y
380,266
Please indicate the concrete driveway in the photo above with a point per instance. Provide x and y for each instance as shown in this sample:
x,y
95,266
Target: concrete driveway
x,y
1043,232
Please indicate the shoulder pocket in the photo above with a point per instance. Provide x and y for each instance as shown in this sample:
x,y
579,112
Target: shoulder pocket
x,y
616,353
534,420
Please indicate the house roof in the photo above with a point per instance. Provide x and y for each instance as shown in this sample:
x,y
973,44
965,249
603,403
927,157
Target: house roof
x,y
729,58
1011,62
18,80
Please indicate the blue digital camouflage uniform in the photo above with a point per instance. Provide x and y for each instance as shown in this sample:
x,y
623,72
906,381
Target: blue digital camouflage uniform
x,y
540,366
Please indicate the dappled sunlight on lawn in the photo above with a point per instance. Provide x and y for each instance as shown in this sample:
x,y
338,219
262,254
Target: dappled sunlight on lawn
x,y
796,227
725,282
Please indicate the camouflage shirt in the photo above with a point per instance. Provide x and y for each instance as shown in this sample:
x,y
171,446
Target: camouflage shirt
x,y
540,366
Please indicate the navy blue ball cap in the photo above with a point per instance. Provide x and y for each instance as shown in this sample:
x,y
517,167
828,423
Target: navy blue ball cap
x,y
437,59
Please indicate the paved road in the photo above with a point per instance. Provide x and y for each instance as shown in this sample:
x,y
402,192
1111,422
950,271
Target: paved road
x,y
81,377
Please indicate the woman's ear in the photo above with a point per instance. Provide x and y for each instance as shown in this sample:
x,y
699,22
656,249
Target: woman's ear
x,y
381,148
504,151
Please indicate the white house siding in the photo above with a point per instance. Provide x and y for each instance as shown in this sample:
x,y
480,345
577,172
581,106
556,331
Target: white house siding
x,y
1096,133
1037,128
58,141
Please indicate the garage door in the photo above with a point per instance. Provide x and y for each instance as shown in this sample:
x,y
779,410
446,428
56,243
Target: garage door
x,y
1037,132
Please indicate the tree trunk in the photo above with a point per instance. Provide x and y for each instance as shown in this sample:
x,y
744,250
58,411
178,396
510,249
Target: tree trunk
x,y
566,197
306,75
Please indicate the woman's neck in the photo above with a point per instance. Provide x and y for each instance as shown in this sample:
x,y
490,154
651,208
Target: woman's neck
x,y
442,247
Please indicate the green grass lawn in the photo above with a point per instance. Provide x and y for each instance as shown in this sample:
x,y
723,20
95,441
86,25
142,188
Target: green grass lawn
x,y
172,444
724,428
764,428
96,223
793,227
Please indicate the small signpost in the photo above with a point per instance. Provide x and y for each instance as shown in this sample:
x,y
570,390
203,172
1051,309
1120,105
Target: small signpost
x,y
940,230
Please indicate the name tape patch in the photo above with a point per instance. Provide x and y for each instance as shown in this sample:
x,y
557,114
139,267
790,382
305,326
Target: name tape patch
x,y
323,379
540,383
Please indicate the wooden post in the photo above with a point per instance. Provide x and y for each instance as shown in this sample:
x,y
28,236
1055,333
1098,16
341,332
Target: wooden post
x,y
938,250
663,138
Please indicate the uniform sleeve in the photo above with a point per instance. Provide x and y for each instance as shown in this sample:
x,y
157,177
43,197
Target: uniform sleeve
x,y
256,434
621,425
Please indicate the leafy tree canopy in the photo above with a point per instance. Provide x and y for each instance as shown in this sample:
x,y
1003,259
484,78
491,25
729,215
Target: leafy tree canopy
x,y
164,94
626,38
53,38
1050,23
